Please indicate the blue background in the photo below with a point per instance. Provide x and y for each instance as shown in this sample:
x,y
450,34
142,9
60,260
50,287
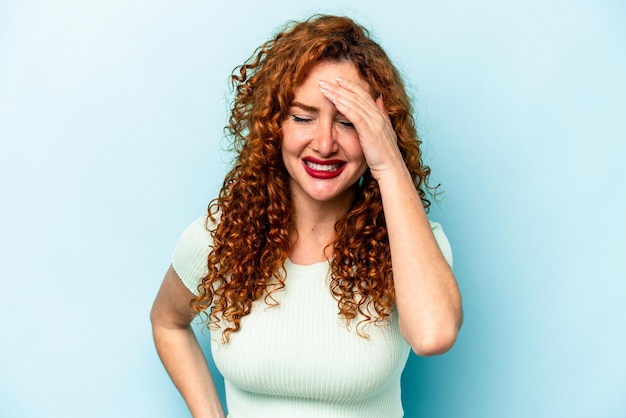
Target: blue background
x,y
111,117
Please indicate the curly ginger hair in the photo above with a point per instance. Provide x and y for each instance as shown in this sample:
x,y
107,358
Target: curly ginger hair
x,y
251,241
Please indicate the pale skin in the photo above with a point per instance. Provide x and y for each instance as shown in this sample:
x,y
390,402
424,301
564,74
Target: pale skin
x,y
334,119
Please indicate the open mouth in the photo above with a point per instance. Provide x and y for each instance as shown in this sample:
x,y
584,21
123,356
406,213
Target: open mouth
x,y
324,169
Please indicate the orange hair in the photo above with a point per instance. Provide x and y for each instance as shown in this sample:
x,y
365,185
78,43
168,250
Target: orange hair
x,y
252,237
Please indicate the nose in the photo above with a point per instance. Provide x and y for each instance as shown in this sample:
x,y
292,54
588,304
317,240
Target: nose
x,y
326,143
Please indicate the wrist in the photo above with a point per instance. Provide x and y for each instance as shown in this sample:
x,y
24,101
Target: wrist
x,y
392,176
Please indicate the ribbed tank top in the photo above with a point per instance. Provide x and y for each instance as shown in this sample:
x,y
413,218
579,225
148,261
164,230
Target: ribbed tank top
x,y
300,358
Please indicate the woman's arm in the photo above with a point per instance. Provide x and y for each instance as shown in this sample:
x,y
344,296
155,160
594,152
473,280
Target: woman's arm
x,y
427,296
179,350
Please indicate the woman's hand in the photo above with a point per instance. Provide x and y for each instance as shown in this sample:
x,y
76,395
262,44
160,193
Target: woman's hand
x,y
371,121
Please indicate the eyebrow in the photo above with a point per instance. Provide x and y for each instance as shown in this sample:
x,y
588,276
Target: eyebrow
x,y
305,107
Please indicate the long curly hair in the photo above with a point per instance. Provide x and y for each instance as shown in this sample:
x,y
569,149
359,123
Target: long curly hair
x,y
251,240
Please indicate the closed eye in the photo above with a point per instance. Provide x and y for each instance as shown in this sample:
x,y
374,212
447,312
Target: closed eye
x,y
300,119
346,123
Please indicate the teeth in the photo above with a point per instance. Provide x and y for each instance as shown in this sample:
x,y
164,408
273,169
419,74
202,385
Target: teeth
x,y
322,167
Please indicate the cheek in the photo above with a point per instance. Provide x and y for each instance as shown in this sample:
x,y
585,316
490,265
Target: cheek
x,y
290,138
284,154
356,155
285,141
353,148
289,150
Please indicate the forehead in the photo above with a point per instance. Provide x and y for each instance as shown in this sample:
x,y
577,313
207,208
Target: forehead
x,y
329,71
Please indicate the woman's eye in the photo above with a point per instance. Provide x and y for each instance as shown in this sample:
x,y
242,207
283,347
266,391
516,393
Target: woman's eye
x,y
300,119
346,123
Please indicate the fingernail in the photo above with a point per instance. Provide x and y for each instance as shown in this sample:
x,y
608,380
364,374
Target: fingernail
x,y
340,80
322,83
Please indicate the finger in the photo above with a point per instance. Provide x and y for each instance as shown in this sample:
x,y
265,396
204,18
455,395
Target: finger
x,y
353,87
348,103
346,88
349,95
381,104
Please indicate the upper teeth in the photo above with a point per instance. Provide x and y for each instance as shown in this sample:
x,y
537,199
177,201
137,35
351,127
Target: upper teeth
x,y
322,167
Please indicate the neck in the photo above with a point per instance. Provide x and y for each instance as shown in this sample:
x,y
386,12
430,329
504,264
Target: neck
x,y
314,229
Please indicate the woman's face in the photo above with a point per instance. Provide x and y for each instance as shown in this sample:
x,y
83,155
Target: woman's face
x,y
320,147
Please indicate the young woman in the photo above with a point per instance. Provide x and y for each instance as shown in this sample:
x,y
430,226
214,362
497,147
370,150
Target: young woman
x,y
316,268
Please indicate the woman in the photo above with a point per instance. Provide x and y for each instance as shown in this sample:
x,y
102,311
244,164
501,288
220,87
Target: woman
x,y
316,266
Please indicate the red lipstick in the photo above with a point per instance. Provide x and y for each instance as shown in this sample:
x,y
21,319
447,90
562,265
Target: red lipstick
x,y
323,169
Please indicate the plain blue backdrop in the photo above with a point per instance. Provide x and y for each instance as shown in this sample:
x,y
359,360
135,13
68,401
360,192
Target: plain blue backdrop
x,y
111,117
